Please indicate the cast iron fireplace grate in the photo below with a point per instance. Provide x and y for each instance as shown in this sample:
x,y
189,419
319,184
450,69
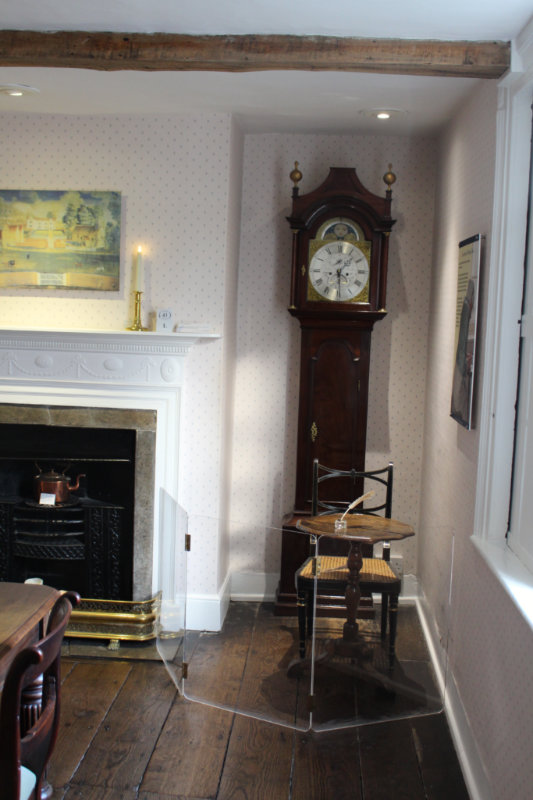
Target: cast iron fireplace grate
x,y
85,544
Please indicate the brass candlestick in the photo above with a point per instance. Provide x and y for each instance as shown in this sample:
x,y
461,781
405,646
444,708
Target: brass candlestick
x,y
137,324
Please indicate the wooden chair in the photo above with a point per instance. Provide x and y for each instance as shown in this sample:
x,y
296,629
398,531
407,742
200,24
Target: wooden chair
x,y
376,576
29,710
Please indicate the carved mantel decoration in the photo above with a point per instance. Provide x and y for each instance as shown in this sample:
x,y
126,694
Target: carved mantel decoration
x,y
115,357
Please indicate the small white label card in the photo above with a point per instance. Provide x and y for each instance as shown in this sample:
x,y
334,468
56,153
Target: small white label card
x,y
164,320
47,499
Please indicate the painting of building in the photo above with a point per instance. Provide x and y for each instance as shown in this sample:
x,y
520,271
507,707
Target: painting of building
x,y
60,239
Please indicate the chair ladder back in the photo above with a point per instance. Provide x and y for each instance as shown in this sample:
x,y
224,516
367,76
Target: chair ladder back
x,y
322,473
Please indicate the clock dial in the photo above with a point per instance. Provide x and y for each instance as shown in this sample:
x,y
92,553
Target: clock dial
x,y
338,272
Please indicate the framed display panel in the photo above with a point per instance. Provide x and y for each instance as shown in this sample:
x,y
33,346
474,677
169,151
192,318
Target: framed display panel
x,y
465,330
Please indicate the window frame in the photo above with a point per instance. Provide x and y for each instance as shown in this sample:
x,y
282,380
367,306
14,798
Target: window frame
x,y
503,315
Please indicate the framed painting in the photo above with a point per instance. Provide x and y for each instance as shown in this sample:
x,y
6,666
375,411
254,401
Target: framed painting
x,y
465,330
59,240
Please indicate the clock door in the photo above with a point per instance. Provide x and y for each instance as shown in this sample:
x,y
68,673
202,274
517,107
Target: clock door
x,y
333,406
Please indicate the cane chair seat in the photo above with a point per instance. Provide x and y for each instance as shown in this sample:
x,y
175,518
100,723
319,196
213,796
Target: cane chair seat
x,y
334,568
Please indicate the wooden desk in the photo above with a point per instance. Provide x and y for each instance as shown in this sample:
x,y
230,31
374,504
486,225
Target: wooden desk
x,y
23,607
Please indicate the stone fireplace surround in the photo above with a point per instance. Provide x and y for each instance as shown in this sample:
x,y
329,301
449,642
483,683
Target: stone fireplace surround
x,y
109,379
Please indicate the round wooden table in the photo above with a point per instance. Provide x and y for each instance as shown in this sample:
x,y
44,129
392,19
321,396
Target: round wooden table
x,y
23,608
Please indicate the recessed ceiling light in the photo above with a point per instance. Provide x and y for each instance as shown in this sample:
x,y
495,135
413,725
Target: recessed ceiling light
x,y
17,89
382,113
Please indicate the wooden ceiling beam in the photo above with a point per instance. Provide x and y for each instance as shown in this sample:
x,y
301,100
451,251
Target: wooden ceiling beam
x,y
179,52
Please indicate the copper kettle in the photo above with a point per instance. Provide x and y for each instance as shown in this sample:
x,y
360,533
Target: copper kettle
x,y
55,483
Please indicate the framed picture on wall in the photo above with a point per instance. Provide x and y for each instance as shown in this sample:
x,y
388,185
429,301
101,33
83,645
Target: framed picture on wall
x,y
60,239
465,330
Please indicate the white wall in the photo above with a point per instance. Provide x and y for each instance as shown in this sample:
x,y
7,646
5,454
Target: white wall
x,y
489,646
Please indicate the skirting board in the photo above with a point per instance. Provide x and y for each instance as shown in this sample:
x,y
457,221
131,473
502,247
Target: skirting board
x,y
254,587
261,587
474,773
207,612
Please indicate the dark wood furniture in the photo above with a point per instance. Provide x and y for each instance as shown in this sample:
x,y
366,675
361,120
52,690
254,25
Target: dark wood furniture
x,y
29,709
340,217
361,529
23,607
328,574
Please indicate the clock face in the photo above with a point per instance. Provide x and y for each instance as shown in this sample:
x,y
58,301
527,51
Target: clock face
x,y
339,272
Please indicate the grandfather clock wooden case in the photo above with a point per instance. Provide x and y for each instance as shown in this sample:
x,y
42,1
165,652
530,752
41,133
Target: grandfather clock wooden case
x,y
338,288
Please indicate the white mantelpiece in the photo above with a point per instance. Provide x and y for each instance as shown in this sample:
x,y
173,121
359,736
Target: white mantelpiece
x,y
106,370
113,357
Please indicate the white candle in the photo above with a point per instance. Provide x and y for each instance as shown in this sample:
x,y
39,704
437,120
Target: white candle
x,y
139,271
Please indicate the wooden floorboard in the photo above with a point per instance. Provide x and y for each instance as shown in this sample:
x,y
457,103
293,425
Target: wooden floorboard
x,y
126,733
326,765
98,793
119,753
389,766
439,766
189,757
258,762
88,691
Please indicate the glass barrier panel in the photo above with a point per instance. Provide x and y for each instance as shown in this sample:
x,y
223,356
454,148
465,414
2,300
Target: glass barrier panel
x,y
172,579
242,660
329,662
371,662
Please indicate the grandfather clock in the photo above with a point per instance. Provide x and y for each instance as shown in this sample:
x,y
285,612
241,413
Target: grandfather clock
x,y
338,289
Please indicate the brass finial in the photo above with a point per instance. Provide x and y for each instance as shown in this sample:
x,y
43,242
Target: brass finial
x,y
389,178
296,175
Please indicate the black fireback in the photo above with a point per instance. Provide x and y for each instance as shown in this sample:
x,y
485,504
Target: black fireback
x,y
98,561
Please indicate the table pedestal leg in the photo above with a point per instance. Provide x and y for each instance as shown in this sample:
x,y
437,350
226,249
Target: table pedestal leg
x,y
350,645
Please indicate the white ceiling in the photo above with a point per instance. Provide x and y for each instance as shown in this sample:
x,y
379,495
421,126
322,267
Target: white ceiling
x,y
269,101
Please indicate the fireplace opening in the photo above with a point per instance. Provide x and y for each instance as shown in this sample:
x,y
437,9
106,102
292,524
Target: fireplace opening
x,y
84,543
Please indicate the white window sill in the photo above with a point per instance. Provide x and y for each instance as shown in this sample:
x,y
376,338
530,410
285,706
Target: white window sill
x,y
516,579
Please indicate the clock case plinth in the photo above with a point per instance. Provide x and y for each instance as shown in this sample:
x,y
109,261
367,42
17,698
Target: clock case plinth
x,y
334,360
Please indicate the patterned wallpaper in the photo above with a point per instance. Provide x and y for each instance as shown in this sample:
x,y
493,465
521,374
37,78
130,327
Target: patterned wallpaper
x,y
173,173
490,646
266,397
